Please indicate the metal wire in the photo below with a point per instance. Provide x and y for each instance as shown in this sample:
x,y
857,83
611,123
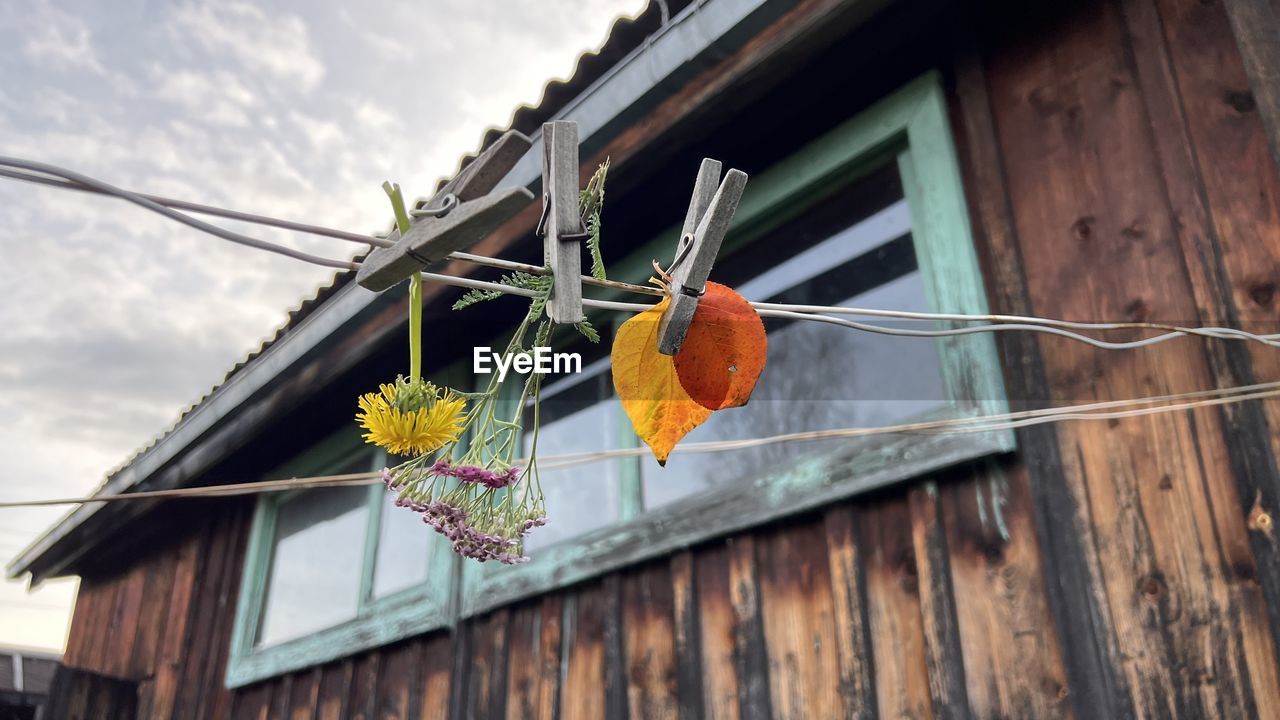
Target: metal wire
x,y
1040,328
210,210
319,230
1213,332
172,214
447,204
817,313
866,327
1107,410
1001,421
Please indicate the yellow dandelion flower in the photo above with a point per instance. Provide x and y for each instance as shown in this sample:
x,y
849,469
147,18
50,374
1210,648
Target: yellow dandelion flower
x,y
410,431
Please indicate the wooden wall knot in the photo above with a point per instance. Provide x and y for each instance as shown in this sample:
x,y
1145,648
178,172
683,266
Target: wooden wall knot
x,y
1242,101
1137,310
1045,102
993,551
1082,228
1262,293
1259,519
1116,85
1152,586
1134,230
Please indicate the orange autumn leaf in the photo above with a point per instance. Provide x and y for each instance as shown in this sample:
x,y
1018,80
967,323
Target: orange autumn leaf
x,y
647,384
724,351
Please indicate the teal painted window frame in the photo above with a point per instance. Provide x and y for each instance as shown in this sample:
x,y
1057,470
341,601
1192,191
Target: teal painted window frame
x,y
910,128
378,621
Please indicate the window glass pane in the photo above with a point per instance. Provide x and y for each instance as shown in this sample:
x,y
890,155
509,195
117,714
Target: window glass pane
x,y
316,558
403,549
855,250
577,414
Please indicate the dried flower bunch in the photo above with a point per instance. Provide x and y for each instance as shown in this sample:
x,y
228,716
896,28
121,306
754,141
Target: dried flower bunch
x,y
460,472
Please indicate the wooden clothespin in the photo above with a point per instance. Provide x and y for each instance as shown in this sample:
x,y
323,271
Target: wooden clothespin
x,y
461,214
710,212
561,225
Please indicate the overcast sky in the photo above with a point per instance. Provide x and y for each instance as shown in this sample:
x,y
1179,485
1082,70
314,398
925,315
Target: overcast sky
x,y
114,319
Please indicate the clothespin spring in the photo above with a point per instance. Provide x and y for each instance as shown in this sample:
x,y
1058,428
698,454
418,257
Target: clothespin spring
x,y
460,214
686,244
447,203
541,230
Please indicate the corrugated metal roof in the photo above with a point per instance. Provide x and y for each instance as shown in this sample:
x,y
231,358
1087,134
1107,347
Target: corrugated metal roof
x,y
625,35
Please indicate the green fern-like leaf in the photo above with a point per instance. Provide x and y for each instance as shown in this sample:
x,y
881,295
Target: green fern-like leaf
x,y
593,245
541,285
592,197
518,279
473,297
588,331
591,203
543,336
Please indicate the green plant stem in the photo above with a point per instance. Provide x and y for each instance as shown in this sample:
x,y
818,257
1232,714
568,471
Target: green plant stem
x,y
415,326
415,285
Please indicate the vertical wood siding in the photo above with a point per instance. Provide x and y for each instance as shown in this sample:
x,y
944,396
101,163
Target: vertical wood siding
x,y
1115,167
1121,162
824,616
164,622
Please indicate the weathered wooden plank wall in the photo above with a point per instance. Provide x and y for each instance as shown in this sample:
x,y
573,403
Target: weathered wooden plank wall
x,y
1115,167
79,695
825,616
164,621
837,614
1116,155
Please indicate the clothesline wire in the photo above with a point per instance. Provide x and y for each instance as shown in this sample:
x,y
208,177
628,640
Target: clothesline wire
x,y
310,229
774,310
1106,410
975,423
202,209
172,214
53,177
62,178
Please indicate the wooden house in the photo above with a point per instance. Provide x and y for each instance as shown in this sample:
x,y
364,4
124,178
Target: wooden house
x,y
25,677
1081,160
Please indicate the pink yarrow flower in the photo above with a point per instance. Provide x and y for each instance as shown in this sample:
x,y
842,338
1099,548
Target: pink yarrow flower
x,y
477,475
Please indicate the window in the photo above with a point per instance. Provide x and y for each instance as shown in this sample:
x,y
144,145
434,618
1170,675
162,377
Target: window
x,y
870,215
854,249
367,559
577,414
317,552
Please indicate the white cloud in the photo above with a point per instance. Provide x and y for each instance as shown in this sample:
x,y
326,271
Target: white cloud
x,y
216,97
385,45
374,117
279,46
228,104
321,134
60,40
56,106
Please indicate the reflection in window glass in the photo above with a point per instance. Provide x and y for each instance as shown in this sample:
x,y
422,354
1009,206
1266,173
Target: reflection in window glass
x,y
314,580
819,376
403,549
578,414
